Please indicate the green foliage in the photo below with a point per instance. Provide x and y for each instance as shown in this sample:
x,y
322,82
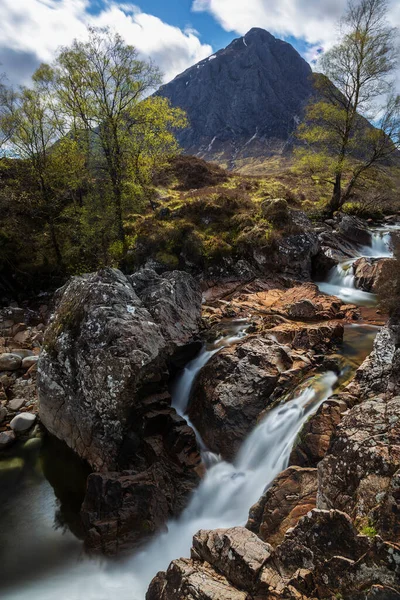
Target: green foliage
x,y
369,530
88,140
338,143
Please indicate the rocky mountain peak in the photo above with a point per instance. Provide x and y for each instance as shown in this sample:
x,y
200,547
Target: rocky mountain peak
x,y
244,100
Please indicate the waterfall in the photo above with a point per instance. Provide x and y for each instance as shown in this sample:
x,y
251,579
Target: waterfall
x,y
223,499
341,281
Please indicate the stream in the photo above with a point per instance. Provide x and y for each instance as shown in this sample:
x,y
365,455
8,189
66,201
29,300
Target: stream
x,y
42,559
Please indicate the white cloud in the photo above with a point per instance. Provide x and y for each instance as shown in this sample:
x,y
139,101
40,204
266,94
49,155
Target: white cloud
x,y
32,30
311,20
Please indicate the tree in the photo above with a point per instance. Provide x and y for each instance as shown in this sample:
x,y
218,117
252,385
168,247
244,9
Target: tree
x,y
355,86
102,89
32,129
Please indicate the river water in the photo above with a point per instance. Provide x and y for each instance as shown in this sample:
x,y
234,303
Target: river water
x,y
341,281
43,560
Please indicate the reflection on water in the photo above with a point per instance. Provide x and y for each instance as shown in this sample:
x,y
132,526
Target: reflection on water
x,y
35,525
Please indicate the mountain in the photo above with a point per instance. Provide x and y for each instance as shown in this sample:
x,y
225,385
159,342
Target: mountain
x,y
244,101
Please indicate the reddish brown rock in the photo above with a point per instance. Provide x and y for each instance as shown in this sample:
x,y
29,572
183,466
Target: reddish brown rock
x,y
314,439
291,496
368,272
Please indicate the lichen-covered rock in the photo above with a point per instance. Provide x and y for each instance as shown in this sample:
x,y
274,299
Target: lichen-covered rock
x,y
360,473
291,496
192,580
380,372
236,552
103,378
354,229
109,338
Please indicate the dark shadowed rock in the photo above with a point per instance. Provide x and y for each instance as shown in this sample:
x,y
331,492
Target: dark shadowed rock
x,y
245,100
315,436
233,389
354,229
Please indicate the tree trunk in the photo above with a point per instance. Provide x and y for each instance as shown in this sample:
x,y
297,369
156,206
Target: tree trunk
x,y
118,213
56,246
336,201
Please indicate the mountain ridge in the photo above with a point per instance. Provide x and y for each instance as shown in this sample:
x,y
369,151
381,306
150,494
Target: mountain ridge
x,y
244,100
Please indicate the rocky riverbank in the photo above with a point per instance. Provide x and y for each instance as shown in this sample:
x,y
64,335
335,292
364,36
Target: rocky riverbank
x,y
107,359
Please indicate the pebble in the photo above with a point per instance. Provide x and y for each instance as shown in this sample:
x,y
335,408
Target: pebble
x,y
15,404
3,413
6,438
10,362
29,361
23,422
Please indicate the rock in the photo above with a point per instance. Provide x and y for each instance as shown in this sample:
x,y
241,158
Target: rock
x,y
321,557
355,229
10,362
15,404
291,496
236,552
361,470
110,337
303,310
22,422
23,353
22,337
368,271
6,439
120,509
3,413
192,580
380,372
29,362
314,439
233,388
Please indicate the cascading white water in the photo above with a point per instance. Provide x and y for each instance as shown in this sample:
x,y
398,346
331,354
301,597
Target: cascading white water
x,y
341,281
223,499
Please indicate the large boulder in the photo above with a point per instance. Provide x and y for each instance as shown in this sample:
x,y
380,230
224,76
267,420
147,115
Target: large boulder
x,y
109,339
235,387
361,472
103,376
292,252
380,372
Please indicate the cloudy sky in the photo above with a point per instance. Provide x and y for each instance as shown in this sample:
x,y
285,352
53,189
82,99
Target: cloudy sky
x,y
174,33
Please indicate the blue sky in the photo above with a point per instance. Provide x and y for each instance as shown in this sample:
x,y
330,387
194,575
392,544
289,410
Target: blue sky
x,y
175,34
